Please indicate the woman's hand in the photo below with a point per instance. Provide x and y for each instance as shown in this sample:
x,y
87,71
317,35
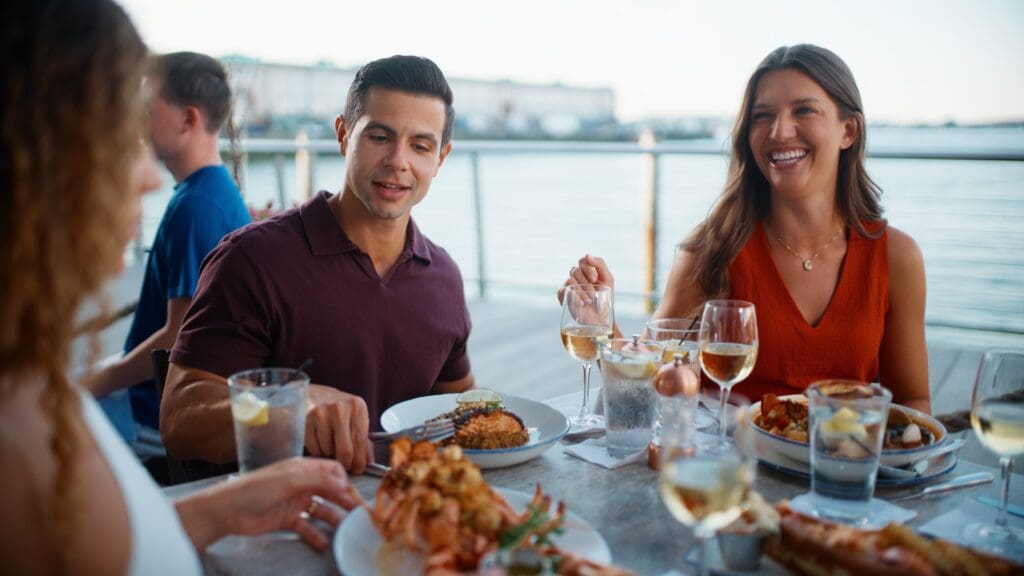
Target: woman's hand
x,y
589,270
277,497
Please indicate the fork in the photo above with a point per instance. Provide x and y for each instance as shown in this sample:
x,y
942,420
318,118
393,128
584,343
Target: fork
x,y
429,430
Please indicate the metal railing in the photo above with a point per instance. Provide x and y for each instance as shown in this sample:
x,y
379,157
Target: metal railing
x,y
305,153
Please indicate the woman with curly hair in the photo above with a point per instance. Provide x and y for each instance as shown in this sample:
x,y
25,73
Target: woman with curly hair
x,y
72,171
799,232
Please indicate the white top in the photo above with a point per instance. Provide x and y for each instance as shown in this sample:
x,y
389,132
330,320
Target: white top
x,y
159,543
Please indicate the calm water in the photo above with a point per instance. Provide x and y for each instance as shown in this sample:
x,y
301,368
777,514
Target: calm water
x,y
541,212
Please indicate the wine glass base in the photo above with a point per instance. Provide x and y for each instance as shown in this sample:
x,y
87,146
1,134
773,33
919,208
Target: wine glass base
x,y
590,421
1000,540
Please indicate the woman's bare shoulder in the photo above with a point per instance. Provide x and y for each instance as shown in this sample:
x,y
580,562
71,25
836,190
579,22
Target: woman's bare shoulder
x,y
100,531
905,256
26,485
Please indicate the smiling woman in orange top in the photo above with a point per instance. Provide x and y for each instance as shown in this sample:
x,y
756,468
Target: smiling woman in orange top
x,y
799,232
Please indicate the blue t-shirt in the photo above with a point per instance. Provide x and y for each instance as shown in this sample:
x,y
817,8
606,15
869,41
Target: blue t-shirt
x,y
205,206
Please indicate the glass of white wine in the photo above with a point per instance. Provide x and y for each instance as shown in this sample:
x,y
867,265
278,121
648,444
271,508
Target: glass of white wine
x,y
706,489
587,317
997,416
728,347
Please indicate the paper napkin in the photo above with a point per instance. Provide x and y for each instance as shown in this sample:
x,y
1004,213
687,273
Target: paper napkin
x,y
950,526
880,514
595,451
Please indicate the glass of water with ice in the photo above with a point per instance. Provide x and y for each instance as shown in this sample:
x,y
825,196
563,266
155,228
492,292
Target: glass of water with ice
x,y
630,402
268,406
847,426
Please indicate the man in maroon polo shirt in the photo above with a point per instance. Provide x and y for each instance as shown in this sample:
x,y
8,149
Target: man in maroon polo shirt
x,y
346,279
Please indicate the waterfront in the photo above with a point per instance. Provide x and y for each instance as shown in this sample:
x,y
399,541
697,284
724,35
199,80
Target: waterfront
x,y
542,211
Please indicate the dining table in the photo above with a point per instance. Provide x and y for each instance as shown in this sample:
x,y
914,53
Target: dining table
x,y
622,504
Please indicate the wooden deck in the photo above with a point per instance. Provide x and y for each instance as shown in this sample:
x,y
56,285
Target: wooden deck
x,y
515,349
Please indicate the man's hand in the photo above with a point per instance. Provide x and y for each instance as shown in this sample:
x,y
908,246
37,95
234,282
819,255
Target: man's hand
x,y
338,426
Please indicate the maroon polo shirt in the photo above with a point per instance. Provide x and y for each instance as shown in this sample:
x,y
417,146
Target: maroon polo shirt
x,y
295,287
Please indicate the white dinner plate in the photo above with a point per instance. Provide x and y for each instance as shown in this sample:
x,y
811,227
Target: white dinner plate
x,y
545,425
356,540
800,451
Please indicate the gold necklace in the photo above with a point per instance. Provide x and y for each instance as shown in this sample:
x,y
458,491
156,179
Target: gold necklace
x,y
807,263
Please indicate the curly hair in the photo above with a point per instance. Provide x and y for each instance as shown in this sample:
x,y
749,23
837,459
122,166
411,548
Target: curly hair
x,y
72,119
747,195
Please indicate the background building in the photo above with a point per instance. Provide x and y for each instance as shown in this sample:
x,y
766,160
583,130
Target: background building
x,y
280,99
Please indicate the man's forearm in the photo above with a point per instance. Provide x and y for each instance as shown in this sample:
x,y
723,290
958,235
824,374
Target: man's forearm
x,y
195,422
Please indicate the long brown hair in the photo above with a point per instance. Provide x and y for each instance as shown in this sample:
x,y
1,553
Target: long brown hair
x,y
747,196
72,118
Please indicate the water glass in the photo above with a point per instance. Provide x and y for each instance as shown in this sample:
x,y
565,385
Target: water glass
x,y
268,407
630,402
847,427
678,336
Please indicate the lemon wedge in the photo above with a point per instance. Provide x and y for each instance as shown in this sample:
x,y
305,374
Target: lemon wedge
x,y
479,396
248,409
635,369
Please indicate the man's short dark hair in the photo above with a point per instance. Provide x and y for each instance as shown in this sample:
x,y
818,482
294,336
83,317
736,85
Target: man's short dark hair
x,y
191,79
412,74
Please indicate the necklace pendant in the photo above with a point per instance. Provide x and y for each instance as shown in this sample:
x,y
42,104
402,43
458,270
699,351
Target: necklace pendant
x,y
807,265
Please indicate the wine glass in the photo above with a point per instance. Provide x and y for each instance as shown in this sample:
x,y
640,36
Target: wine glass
x,y
728,347
997,416
706,489
587,316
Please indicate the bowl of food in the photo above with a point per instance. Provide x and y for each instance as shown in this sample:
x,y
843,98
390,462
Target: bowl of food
x,y
781,425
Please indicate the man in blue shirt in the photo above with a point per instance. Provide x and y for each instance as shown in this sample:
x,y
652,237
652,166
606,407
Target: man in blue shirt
x,y
190,100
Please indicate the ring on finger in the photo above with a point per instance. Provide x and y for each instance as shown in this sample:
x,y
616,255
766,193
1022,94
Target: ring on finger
x,y
573,270
313,505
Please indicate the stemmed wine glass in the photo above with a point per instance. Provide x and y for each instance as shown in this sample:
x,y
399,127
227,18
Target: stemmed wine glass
x,y
587,316
728,347
997,416
706,489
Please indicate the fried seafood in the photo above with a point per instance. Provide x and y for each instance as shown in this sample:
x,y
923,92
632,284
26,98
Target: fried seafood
x,y
783,417
436,502
482,423
489,428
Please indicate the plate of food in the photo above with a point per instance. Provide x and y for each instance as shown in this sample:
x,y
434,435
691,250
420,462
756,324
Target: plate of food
x,y
434,511
781,423
494,431
814,546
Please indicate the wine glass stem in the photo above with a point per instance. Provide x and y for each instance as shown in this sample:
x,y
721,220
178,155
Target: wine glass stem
x,y
1007,467
723,401
702,555
585,408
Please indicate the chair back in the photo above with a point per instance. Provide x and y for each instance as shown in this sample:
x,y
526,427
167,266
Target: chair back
x,y
180,471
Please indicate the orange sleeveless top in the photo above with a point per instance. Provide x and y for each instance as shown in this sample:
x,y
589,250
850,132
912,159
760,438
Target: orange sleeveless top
x,y
793,354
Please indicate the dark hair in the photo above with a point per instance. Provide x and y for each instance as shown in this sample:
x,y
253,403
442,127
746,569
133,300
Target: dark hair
x,y
747,195
192,79
412,74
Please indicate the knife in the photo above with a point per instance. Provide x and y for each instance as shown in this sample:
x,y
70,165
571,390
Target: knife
x,y
967,480
1010,506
